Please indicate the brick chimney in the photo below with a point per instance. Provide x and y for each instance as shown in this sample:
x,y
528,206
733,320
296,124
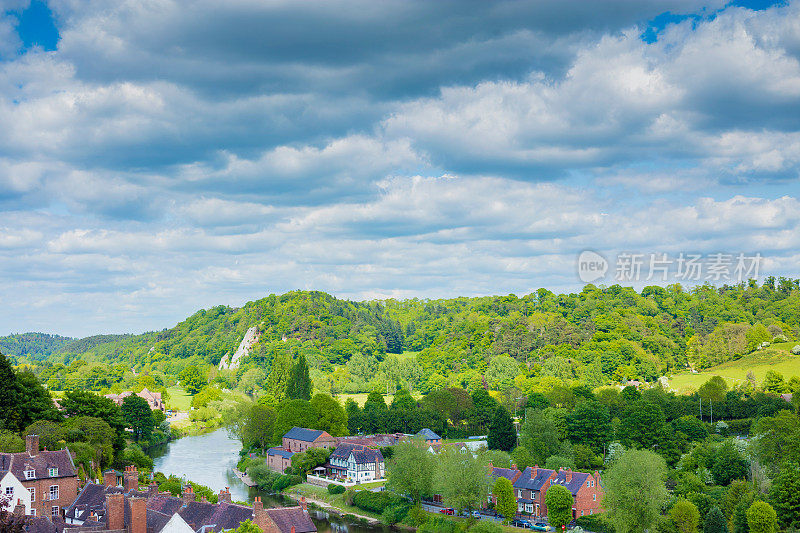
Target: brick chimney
x,y
131,477
534,471
260,516
110,478
115,511
152,489
32,444
514,466
224,495
303,504
19,509
569,475
188,494
138,515
293,530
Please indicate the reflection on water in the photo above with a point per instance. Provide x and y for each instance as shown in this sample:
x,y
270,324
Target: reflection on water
x,y
209,459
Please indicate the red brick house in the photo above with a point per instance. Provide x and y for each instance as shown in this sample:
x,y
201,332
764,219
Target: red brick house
x,y
531,484
300,439
279,459
49,476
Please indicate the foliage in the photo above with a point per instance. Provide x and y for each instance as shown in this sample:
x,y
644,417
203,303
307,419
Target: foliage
x,y
298,387
333,488
460,479
10,442
330,415
410,470
258,426
715,521
785,495
133,455
306,461
137,415
506,502
635,490
286,481
502,433
761,518
729,465
248,527
590,424
193,379
559,505
376,502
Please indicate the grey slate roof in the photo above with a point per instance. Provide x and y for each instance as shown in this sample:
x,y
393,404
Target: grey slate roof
x,y
306,435
18,463
361,454
574,485
427,434
286,454
525,481
507,473
285,518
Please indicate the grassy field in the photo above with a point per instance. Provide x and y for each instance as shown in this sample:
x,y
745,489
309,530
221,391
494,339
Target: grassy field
x,y
361,397
336,500
777,357
179,399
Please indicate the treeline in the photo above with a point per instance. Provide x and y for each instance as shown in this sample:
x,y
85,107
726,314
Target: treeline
x,y
36,346
598,336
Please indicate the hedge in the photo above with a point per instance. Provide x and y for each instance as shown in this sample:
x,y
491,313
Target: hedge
x,y
376,502
594,523
333,488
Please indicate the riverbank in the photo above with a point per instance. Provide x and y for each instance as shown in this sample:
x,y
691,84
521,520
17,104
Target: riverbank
x,y
333,503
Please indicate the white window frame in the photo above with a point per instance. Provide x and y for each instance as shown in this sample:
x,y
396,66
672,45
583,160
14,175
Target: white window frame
x,y
30,474
32,490
33,511
52,492
10,491
54,511
52,472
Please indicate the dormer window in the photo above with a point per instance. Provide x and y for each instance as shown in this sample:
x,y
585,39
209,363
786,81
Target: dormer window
x,y
30,474
52,472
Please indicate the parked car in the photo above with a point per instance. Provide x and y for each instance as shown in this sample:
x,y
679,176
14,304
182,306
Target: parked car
x,y
448,511
476,514
540,526
521,523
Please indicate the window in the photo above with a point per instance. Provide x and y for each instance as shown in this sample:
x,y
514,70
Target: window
x,y
53,492
30,474
54,511
52,472
9,491
594,497
33,493
33,512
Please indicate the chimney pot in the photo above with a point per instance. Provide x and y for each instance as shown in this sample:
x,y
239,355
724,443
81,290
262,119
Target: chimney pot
x,y
303,503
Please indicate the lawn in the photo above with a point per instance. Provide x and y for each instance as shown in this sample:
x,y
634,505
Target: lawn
x,y
777,357
361,397
335,500
179,399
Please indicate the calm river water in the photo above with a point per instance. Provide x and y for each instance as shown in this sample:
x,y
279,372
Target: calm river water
x,y
209,459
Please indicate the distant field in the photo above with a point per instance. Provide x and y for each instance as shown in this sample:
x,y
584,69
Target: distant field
x,y
179,399
777,357
361,397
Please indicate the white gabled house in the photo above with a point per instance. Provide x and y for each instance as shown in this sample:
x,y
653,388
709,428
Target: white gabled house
x,y
356,462
15,492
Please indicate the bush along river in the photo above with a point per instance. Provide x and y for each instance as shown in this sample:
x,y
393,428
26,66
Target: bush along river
x,y
209,459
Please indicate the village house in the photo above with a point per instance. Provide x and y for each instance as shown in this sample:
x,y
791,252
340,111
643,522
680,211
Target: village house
x,y
300,439
153,398
110,507
380,440
297,440
429,437
49,479
356,462
530,488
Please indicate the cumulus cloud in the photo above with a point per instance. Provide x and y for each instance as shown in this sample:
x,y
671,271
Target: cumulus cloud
x,y
164,159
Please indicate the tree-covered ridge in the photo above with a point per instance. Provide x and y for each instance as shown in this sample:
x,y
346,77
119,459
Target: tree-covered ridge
x,y
600,335
34,346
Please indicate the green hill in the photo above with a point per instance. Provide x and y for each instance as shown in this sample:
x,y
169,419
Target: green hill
x,y
598,336
34,346
777,357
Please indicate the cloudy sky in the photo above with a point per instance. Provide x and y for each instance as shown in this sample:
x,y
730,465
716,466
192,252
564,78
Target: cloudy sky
x,y
160,156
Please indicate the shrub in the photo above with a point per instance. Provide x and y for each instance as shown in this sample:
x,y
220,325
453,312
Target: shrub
x,y
285,482
394,514
796,349
376,502
333,488
595,523
416,516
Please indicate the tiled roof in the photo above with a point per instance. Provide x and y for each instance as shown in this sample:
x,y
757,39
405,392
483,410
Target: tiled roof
x,y
41,463
286,454
507,473
525,481
42,525
574,484
361,454
91,498
427,434
287,517
306,435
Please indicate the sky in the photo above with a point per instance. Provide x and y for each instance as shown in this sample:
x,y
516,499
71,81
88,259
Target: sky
x,y
162,156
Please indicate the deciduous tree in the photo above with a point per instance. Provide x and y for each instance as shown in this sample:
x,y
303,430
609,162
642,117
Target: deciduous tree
x,y
685,516
761,518
559,505
635,490
137,414
506,504
299,385
460,479
411,470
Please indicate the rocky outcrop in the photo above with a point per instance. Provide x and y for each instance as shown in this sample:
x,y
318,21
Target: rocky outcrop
x,y
250,338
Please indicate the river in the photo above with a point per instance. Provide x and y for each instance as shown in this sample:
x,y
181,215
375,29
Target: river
x,y
209,459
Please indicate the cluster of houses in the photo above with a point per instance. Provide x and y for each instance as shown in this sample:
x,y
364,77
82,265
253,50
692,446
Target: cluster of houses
x,y
41,487
531,485
153,398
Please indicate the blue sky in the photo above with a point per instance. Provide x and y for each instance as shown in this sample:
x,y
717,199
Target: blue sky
x,y
160,157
